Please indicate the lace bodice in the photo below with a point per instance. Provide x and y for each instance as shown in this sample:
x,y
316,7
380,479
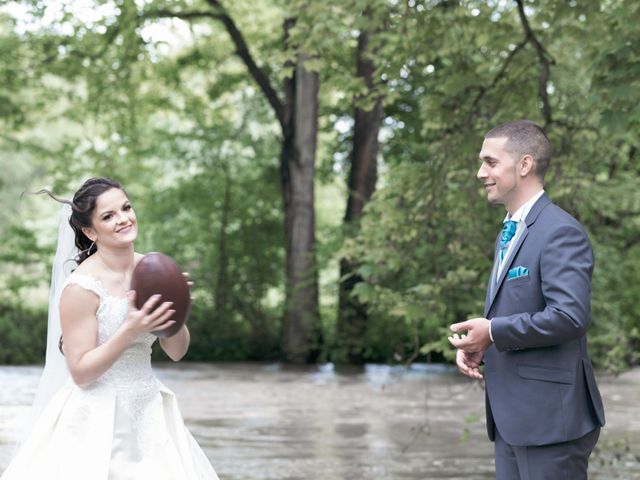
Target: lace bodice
x,y
130,375
112,311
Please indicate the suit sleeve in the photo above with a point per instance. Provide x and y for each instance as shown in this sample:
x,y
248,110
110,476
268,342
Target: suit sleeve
x,y
566,264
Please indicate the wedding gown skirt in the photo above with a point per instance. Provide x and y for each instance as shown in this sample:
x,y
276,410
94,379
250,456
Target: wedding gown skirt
x,y
125,426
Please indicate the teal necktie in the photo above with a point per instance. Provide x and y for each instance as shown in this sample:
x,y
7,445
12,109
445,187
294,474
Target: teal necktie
x,y
508,231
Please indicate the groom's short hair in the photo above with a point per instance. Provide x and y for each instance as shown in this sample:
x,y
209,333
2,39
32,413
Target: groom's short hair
x,y
526,137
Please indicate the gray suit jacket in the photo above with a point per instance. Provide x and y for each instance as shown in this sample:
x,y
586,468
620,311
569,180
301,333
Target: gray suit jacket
x,y
540,385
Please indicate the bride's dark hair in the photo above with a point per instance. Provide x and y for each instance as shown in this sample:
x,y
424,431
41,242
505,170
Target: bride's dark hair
x,y
82,207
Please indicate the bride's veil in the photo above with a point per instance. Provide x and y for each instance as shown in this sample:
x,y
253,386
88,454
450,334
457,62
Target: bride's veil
x,y
55,371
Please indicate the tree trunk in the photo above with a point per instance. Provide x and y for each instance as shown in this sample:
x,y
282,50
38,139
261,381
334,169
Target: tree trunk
x,y
352,314
301,336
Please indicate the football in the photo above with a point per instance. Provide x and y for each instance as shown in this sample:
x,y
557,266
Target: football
x,y
157,273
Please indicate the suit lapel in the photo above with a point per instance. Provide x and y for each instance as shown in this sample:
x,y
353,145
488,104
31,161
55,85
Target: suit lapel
x,y
491,287
495,283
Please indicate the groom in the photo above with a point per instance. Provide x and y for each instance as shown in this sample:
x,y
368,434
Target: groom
x,y
544,410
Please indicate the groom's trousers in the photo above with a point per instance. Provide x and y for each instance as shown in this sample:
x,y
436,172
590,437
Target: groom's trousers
x,y
558,461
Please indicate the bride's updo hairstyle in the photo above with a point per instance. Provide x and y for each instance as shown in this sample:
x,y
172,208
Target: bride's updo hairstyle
x,y
82,208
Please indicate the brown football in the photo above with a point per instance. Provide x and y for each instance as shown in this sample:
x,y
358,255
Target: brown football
x,y
157,273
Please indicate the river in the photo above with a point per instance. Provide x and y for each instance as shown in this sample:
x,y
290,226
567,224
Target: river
x,y
274,422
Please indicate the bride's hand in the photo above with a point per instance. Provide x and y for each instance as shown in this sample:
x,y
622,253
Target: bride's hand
x,y
187,277
146,319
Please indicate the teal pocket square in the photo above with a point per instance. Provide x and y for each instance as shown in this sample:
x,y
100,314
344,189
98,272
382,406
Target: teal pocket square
x,y
517,272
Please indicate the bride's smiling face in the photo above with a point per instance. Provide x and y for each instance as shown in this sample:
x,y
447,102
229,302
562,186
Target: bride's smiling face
x,y
114,221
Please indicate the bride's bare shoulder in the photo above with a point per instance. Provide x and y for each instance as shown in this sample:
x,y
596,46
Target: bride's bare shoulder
x,y
83,285
91,267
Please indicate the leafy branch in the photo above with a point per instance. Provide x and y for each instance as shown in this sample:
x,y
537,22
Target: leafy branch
x,y
242,49
545,59
482,91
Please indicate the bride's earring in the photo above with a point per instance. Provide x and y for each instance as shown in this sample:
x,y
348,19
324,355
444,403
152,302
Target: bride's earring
x,y
87,250
90,247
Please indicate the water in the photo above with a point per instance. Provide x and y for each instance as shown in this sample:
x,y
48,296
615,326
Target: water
x,y
268,422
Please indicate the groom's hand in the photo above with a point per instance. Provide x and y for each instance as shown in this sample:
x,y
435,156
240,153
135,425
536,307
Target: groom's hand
x,y
469,363
477,338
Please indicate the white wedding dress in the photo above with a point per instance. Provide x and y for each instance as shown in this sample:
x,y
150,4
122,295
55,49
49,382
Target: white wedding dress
x,y
124,426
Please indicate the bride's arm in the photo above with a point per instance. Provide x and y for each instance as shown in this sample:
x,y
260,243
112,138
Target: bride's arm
x,y
177,345
85,358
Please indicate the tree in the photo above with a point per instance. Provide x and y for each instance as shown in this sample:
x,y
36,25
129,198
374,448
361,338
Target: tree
x,y
297,117
363,174
211,133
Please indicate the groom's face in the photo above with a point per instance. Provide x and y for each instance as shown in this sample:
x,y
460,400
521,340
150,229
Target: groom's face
x,y
498,171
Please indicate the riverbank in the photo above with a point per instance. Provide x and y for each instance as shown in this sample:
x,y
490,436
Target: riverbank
x,y
268,422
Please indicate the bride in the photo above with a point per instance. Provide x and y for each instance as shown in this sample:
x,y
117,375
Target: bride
x,y
100,413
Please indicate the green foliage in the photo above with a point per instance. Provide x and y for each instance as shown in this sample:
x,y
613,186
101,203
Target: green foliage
x,y
23,333
613,221
423,256
230,246
165,106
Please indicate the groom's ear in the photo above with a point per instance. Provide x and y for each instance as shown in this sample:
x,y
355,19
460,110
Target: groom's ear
x,y
527,165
